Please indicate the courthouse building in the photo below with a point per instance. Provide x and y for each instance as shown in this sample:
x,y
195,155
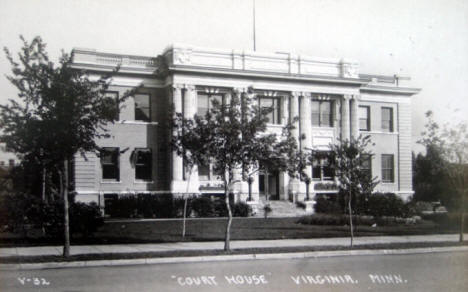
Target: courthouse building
x,y
331,98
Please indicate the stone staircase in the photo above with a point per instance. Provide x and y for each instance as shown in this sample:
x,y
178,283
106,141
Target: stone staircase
x,y
279,209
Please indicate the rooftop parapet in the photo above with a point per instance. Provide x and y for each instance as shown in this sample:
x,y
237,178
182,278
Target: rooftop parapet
x,y
91,57
205,58
284,63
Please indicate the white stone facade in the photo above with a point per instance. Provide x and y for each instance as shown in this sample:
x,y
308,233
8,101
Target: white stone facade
x,y
330,97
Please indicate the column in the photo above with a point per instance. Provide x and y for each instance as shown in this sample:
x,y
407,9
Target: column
x,y
306,126
240,188
190,109
283,176
295,186
345,118
305,122
354,116
295,114
177,163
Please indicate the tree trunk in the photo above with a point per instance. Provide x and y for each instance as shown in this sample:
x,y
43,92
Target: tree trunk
x,y
66,222
44,197
229,222
462,213
185,203
350,218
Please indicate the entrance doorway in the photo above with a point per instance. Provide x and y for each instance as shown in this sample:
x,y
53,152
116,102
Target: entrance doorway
x,y
270,188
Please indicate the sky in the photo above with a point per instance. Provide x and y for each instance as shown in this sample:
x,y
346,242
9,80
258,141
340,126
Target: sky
x,y
424,39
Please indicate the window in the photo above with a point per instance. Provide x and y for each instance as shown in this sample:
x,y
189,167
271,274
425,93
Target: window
x,y
110,163
387,168
364,118
387,119
113,98
321,169
366,164
142,107
143,163
271,103
322,115
205,102
207,172
11,162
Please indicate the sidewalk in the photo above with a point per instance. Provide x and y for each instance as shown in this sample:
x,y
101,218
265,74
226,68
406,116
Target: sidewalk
x,y
235,244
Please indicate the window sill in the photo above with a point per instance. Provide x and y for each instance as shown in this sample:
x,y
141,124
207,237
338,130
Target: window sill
x,y
135,122
274,125
323,127
143,182
111,182
387,183
379,132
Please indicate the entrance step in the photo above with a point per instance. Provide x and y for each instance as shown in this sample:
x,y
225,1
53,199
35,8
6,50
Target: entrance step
x,y
280,209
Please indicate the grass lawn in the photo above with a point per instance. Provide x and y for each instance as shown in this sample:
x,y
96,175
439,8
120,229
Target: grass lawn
x,y
213,230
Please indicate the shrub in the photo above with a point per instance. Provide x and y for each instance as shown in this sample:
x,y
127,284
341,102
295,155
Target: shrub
x,y
335,219
122,206
241,209
178,207
421,206
449,220
203,207
20,210
342,219
146,206
155,206
267,210
220,208
386,204
53,219
85,218
325,204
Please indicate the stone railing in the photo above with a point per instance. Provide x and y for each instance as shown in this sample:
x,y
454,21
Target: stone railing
x,y
203,58
89,56
285,63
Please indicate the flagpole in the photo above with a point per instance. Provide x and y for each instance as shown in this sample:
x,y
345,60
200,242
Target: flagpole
x,y
254,44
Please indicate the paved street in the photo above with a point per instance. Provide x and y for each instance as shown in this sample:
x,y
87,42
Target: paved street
x,y
417,272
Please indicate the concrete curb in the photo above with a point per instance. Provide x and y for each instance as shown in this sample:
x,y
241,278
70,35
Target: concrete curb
x,y
217,258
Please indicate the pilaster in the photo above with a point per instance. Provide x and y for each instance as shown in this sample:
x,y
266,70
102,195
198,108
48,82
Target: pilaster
x,y
305,121
294,114
284,109
345,118
177,163
354,116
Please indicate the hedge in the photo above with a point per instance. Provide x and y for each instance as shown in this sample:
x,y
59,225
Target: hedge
x,y
167,206
21,211
376,204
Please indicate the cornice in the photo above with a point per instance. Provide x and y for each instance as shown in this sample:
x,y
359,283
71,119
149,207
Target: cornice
x,y
109,68
387,89
266,75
